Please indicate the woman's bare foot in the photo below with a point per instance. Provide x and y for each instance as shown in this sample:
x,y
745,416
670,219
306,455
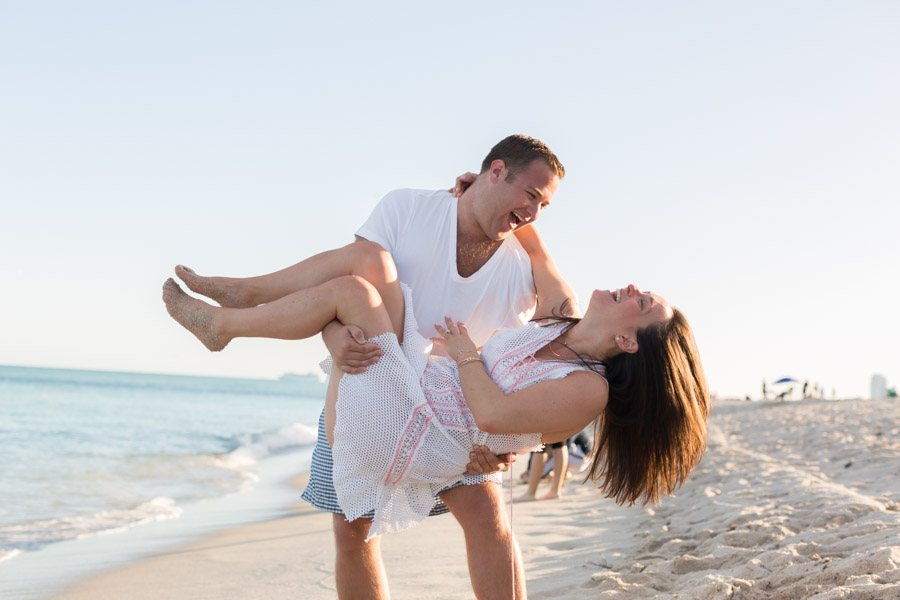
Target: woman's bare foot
x,y
221,289
551,496
194,315
526,498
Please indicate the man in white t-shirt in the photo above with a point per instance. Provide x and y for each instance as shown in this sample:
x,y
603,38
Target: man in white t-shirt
x,y
460,259
419,229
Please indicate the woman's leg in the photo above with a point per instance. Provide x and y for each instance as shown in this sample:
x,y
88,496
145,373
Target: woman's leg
x,y
375,307
358,298
360,258
303,314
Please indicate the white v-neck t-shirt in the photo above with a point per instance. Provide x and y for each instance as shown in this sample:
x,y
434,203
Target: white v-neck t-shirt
x,y
418,228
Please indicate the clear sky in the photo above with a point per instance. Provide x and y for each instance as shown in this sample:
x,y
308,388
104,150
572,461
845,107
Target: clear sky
x,y
740,158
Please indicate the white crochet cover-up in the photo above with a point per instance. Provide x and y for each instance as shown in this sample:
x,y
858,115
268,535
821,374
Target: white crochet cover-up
x,y
403,431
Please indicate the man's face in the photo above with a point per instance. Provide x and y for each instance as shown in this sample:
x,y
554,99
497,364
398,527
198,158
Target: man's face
x,y
513,202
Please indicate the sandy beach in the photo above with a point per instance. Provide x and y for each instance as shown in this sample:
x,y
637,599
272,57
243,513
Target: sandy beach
x,y
793,500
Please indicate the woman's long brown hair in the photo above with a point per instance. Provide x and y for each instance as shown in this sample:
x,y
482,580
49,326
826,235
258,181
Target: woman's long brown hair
x,y
653,431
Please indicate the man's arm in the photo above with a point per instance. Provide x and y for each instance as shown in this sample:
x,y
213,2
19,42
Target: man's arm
x,y
554,296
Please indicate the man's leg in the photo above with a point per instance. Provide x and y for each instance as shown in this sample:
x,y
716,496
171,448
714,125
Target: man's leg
x,y
358,568
481,512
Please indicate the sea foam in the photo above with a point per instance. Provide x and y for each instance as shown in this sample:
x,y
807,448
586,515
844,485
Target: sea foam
x,y
101,452
254,447
35,535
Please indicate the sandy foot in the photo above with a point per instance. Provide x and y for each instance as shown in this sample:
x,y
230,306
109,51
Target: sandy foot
x,y
194,315
219,289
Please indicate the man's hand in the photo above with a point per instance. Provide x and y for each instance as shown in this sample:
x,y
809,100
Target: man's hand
x,y
485,461
348,347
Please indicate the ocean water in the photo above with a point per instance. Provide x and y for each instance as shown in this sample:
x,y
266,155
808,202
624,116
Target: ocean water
x,y
90,453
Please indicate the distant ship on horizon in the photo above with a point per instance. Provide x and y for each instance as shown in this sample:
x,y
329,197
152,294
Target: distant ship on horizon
x,y
310,377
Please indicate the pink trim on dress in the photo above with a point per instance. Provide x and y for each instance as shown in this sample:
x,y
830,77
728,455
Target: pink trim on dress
x,y
519,351
526,377
413,451
409,424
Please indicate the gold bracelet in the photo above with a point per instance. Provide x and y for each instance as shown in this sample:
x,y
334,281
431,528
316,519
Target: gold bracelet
x,y
469,360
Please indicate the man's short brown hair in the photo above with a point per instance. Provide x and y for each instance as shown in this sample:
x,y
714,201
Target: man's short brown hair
x,y
519,151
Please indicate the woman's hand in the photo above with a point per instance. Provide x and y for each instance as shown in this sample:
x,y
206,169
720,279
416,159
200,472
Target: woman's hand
x,y
462,184
455,340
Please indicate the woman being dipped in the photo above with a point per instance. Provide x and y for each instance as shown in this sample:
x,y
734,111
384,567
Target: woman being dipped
x,y
403,430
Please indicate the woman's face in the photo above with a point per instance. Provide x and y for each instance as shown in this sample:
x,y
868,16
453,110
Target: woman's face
x,y
627,310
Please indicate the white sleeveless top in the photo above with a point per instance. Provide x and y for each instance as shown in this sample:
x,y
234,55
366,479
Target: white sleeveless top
x,y
404,432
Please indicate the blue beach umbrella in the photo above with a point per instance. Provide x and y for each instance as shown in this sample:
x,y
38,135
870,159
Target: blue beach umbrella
x,y
787,380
